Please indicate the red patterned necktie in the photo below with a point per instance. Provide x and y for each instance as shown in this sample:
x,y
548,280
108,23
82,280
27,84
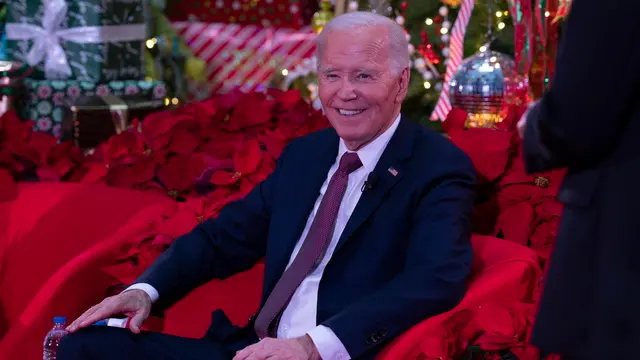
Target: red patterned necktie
x,y
313,248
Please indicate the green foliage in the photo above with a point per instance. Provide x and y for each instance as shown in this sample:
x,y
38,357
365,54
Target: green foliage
x,y
420,101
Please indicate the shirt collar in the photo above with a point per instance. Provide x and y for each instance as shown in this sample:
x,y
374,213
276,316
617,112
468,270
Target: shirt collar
x,y
371,153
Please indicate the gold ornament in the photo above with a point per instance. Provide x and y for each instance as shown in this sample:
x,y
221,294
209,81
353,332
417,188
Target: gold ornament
x,y
452,3
322,17
541,182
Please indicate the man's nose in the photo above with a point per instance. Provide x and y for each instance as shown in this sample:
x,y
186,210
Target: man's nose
x,y
347,91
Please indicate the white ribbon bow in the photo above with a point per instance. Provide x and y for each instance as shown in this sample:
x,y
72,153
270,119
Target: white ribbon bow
x,y
46,39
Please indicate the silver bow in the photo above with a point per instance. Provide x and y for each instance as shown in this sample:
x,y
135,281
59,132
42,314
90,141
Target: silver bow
x,y
46,39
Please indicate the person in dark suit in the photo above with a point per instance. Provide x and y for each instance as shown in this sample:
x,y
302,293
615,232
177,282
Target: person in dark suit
x,y
365,228
589,122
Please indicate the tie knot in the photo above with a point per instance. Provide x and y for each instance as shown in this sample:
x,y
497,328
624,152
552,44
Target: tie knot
x,y
350,162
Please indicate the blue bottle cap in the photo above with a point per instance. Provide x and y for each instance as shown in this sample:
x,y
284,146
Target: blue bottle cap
x,y
59,320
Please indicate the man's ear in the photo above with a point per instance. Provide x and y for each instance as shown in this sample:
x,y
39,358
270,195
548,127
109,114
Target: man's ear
x,y
403,85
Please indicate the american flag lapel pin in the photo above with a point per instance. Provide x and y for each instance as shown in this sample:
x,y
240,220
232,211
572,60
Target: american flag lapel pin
x,y
393,171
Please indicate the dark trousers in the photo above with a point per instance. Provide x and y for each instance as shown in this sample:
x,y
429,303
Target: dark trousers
x,y
98,343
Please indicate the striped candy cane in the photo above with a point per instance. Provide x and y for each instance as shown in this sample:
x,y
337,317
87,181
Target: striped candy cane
x,y
456,50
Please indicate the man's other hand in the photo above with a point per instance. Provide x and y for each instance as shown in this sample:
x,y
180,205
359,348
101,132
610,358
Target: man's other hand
x,y
135,304
522,123
301,348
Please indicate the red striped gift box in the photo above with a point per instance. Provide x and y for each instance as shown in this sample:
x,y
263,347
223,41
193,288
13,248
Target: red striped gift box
x,y
244,56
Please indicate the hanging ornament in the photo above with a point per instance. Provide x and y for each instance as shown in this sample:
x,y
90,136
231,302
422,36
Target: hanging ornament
x,y
322,16
443,11
445,38
353,6
400,20
452,3
426,49
485,85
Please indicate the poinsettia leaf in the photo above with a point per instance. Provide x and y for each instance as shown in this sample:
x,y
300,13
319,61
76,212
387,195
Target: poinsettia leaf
x,y
183,142
248,157
224,177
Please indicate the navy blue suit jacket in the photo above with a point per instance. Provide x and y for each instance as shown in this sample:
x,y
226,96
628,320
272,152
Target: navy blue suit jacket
x,y
404,255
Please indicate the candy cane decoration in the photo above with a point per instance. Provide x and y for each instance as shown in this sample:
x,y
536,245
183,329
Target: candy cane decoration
x,y
456,50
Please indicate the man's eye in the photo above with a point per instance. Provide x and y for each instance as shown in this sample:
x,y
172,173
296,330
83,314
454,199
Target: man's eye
x,y
364,76
331,76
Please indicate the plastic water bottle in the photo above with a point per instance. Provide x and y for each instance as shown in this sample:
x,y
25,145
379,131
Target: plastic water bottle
x,y
52,340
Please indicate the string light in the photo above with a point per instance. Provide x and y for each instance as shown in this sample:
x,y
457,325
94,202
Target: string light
x,y
546,14
429,21
427,85
285,72
501,25
483,48
498,13
444,30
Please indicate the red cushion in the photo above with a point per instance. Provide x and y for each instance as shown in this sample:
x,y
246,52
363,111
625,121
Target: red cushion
x,y
50,224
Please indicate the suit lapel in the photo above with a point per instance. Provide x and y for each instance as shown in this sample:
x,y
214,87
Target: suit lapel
x,y
389,169
303,190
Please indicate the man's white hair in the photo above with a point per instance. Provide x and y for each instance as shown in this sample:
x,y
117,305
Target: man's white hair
x,y
398,43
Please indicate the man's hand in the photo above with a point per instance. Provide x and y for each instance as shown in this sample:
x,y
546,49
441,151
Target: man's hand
x,y
301,348
135,304
522,123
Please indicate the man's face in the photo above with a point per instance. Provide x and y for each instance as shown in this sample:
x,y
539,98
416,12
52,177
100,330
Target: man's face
x,y
360,95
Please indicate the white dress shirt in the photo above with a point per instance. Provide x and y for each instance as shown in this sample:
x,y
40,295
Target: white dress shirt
x,y
299,317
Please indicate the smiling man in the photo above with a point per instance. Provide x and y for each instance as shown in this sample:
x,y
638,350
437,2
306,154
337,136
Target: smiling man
x,y
365,228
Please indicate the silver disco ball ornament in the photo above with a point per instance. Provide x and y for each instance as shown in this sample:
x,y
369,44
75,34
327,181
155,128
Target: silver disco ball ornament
x,y
485,85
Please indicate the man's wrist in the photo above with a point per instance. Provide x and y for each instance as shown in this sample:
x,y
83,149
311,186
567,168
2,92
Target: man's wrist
x,y
147,288
309,347
143,293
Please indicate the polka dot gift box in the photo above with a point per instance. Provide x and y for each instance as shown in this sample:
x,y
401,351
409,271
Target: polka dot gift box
x,y
267,13
46,99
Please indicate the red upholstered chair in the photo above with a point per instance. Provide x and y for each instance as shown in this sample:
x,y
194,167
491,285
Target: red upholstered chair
x,y
47,229
504,273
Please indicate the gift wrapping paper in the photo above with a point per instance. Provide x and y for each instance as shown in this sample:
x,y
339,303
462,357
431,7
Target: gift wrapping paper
x,y
88,59
267,13
46,99
244,56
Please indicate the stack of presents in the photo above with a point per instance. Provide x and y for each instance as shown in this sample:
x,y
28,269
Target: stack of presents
x,y
65,61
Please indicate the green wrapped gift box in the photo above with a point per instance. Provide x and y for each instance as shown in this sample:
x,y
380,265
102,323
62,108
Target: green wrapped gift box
x,y
88,40
46,99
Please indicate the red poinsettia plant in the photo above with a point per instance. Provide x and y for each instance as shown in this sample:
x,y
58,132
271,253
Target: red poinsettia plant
x,y
29,155
230,141
512,204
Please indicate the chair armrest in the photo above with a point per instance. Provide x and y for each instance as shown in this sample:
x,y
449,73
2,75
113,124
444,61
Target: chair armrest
x,y
71,290
504,283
